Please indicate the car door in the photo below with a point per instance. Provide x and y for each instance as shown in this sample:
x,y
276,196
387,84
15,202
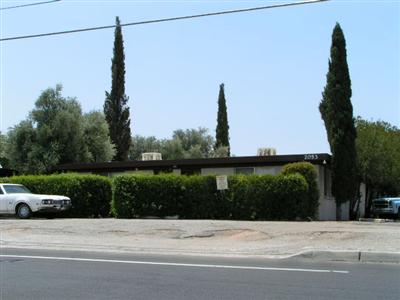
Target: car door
x,y
7,201
3,201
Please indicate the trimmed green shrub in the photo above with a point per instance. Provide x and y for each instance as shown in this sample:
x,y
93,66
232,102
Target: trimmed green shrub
x,y
307,170
196,197
147,195
90,194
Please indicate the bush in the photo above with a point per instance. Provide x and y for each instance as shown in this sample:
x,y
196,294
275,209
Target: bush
x,y
307,170
90,194
196,197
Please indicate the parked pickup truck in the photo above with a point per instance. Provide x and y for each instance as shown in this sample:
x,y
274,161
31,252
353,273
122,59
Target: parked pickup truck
x,y
386,206
17,199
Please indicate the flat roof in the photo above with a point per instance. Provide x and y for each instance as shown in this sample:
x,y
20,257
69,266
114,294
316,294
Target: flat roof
x,y
225,162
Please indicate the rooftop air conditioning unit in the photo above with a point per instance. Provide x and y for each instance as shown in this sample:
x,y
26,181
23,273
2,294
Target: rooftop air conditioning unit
x,y
266,151
151,156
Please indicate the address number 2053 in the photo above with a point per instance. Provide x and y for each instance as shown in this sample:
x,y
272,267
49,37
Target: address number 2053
x,y
310,156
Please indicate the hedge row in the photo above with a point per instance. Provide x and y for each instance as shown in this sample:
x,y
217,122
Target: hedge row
x,y
308,171
254,197
293,194
90,194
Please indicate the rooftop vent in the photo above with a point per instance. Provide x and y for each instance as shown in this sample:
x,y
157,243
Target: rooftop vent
x,y
266,151
151,156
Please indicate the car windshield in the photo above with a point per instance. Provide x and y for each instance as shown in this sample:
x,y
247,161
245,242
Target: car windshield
x,y
16,189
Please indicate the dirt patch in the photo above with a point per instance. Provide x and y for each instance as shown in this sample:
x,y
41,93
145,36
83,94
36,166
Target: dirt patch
x,y
116,232
200,236
332,235
232,234
205,234
17,230
164,233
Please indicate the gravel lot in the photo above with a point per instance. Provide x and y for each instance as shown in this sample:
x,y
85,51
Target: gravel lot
x,y
205,237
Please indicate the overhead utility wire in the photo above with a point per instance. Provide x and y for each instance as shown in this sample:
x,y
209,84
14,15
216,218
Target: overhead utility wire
x,y
29,4
161,20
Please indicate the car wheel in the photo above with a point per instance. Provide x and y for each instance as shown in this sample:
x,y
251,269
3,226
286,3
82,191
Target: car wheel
x,y
24,211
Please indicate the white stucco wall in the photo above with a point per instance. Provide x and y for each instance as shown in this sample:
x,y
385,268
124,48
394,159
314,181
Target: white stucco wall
x,y
327,204
272,170
176,171
345,211
218,171
363,194
147,172
327,210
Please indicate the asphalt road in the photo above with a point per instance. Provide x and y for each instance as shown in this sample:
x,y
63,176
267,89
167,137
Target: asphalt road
x,y
39,274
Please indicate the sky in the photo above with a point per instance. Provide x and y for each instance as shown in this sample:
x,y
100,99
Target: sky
x,y
273,64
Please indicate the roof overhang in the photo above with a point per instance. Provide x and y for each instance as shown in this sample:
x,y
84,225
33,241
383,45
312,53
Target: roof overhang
x,y
226,162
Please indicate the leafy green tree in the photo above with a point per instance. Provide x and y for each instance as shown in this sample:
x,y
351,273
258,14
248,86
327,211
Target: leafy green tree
x,y
221,152
53,134
115,106
189,143
58,124
96,137
337,112
173,149
56,132
196,143
378,145
141,144
3,151
222,131
20,147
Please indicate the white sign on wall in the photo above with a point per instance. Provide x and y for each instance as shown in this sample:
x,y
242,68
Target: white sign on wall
x,y
222,182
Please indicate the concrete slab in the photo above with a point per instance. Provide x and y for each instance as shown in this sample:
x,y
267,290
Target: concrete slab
x,y
349,256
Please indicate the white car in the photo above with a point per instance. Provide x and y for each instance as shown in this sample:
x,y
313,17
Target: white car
x,y
17,199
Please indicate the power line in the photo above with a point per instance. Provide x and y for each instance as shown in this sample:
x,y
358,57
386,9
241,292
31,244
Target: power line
x,y
163,20
29,4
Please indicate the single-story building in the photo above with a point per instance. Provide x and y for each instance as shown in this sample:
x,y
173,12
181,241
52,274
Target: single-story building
x,y
225,166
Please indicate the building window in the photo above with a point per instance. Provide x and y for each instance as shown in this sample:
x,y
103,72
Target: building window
x,y
244,171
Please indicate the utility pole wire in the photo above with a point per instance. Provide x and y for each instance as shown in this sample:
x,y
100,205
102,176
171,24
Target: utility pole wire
x,y
163,20
30,4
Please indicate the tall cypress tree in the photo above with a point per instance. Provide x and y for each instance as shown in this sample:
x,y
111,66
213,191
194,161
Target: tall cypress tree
x,y
115,107
222,131
337,113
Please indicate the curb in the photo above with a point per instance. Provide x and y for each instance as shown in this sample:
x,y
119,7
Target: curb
x,y
321,256
380,257
373,220
351,256
313,255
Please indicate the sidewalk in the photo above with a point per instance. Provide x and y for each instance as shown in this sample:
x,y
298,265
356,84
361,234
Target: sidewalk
x,y
349,241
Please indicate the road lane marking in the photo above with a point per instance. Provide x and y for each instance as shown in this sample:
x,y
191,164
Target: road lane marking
x,y
137,262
